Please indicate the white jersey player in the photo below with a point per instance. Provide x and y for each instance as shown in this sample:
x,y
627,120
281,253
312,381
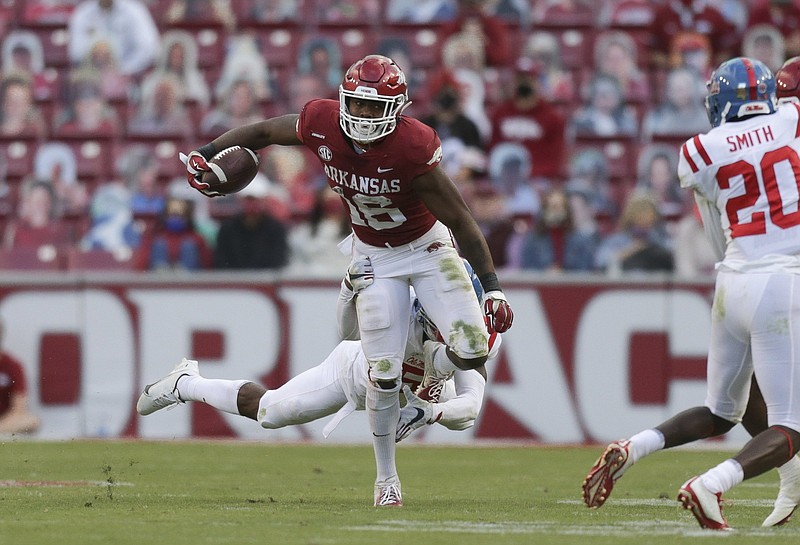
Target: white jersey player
x,y
339,384
745,174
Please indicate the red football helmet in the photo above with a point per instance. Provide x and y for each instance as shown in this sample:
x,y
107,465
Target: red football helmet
x,y
787,81
374,78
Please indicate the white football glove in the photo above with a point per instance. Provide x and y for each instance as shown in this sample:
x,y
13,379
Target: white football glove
x,y
414,415
359,275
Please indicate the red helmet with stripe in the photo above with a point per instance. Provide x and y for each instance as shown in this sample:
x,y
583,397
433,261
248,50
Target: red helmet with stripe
x,y
374,78
787,81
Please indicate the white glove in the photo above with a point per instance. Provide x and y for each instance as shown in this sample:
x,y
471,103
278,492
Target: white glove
x,y
359,275
414,415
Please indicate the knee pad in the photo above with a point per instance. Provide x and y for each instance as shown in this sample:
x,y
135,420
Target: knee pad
x,y
385,370
272,415
468,342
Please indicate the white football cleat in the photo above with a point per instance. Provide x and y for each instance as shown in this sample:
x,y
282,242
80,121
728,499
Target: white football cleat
x,y
164,393
788,495
387,493
704,505
611,465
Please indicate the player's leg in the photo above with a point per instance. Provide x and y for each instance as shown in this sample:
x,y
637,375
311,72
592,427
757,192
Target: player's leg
x,y
755,422
754,419
690,425
777,369
383,321
313,394
174,388
729,370
446,292
768,307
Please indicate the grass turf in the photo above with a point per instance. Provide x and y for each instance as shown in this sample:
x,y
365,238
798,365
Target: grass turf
x,y
120,492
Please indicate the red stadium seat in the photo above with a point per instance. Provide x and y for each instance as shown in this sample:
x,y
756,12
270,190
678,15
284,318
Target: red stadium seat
x,y
577,47
18,155
582,15
424,43
279,46
44,13
97,260
354,43
632,13
54,44
92,155
31,259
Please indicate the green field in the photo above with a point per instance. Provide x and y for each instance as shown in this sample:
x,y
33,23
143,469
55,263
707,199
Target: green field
x,y
120,492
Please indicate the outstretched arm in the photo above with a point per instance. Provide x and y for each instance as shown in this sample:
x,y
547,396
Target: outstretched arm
x,y
459,412
277,130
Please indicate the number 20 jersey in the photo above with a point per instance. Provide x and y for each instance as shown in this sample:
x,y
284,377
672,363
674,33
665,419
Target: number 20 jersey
x,y
376,184
750,169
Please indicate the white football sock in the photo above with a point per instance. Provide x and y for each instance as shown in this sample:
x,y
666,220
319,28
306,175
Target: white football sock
x,y
646,442
723,477
220,394
791,469
383,412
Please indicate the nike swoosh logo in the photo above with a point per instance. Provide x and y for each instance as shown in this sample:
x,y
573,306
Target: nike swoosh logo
x,y
420,414
382,170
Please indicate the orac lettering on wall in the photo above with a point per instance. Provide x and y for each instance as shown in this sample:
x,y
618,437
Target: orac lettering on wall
x,y
588,362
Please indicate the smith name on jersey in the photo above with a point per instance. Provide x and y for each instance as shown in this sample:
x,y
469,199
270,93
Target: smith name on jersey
x,y
375,184
750,171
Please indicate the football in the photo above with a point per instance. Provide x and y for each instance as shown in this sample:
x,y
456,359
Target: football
x,y
231,170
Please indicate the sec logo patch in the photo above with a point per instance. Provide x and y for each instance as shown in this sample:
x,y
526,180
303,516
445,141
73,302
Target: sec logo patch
x,y
325,153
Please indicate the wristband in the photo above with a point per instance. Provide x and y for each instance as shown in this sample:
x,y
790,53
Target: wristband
x,y
489,282
208,151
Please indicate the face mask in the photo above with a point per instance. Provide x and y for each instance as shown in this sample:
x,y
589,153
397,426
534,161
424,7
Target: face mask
x,y
524,90
446,101
175,224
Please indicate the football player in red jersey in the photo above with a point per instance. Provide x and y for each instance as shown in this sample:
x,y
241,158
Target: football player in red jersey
x,y
405,213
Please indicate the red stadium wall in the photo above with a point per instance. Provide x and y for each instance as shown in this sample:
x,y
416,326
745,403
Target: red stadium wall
x,y
585,361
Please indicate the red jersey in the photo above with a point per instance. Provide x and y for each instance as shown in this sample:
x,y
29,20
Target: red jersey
x,y
12,381
376,184
540,129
